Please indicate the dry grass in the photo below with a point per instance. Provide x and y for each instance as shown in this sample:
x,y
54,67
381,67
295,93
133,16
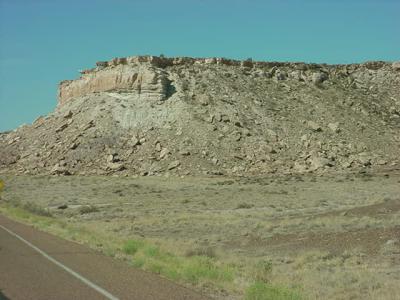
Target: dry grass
x,y
305,238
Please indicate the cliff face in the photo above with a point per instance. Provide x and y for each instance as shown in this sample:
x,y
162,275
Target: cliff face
x,y
148,82
154,115
139,74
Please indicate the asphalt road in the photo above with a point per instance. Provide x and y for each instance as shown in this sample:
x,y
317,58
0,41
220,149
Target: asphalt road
x,y
37,265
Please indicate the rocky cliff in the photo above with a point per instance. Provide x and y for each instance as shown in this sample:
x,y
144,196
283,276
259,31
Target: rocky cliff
x,y
155,115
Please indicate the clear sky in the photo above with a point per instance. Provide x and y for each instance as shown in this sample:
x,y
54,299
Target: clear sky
x,y
45,41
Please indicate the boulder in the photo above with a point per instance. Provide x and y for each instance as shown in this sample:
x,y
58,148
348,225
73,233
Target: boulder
x,y
174,164
396,66
280,75
163,153
314,126
364,159
334,127
134,141
317,162
319,77
115,166
59,170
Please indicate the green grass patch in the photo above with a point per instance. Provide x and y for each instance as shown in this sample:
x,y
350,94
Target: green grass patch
x,y
195,269
265,291
131,246
152,251
202,267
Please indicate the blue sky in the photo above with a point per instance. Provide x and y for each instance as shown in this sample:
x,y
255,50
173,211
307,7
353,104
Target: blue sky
x,y
45,41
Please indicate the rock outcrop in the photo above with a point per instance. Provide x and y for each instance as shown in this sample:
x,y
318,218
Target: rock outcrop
x,y
154,115
147,82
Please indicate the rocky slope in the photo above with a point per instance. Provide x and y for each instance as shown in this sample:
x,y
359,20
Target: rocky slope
x,y
154,115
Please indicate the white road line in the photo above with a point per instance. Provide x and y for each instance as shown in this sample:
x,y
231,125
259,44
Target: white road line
x,y
73,273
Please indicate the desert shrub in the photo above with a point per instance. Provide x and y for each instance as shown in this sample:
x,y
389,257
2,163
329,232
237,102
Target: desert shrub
x,y
225,182
264,291
201,251
152,251
244,205
263,270
138,262
156,267
87,209
131,247
35,209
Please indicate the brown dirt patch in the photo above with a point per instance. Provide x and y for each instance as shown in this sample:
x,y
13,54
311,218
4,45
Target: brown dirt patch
x,y
369,240
374,210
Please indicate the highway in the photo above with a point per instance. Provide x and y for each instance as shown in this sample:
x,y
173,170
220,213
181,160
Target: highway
x,y
37,265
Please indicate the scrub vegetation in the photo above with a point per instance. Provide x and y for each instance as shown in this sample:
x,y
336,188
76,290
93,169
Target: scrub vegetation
x,y
302,237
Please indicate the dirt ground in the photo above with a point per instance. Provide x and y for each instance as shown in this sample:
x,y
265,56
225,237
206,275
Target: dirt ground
x,y
336,236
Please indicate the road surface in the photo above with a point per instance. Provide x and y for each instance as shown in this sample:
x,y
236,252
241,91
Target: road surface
x,y
37,265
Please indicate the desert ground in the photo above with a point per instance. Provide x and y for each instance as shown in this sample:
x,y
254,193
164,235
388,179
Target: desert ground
x,y
334,236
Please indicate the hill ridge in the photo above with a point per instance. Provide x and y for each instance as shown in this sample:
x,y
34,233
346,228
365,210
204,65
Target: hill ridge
x,y
154,115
